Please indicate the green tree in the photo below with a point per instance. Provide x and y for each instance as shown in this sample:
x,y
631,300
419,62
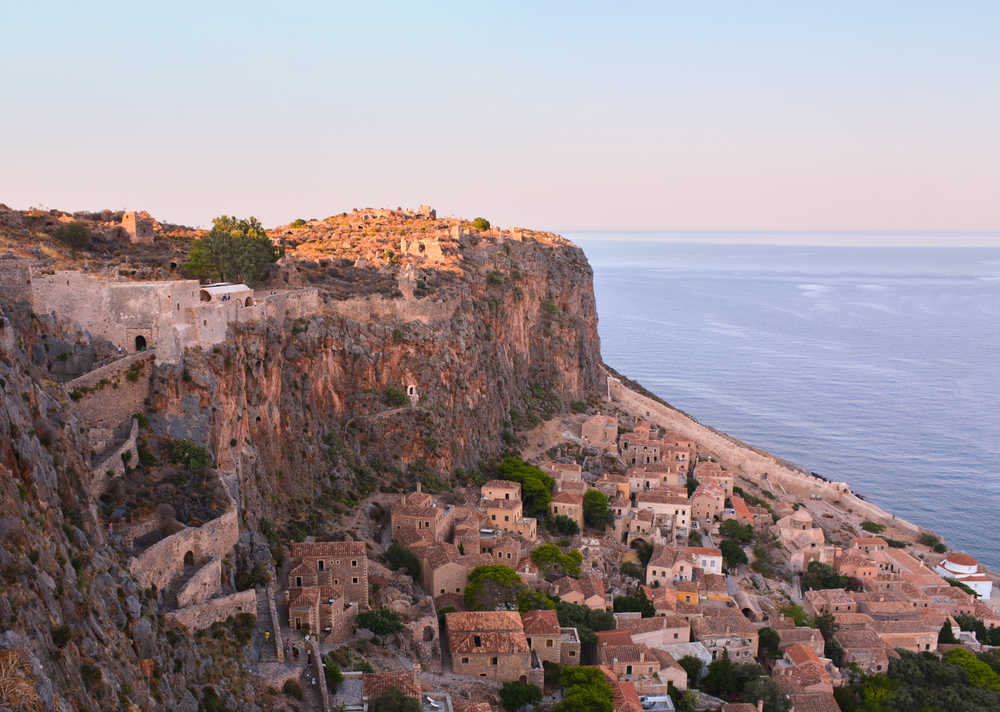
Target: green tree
x,y
692,485
566,526
980,674
493,587
732,554
795,612
693,667
553,563
515,695
392,700
536,486
585,690
770,640
192,456
732,529
946,635
694,538
331,670
873,527
481,224
637,602
382,621
595,509
234,250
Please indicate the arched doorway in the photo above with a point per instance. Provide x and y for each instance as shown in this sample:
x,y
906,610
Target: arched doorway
x,y
140,343
248,302
189,559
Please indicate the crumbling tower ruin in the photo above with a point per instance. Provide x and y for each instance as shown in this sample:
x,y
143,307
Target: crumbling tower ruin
x,y
140,230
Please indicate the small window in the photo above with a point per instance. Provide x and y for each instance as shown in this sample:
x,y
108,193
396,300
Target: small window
x,y
320,564
354,564
494,661
465,661
548,643
298,581
354,580
477,641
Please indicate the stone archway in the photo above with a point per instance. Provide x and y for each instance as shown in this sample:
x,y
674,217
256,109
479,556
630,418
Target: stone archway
x,y
140,343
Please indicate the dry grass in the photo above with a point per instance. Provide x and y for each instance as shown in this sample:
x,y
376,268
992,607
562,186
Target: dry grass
x,y
17,687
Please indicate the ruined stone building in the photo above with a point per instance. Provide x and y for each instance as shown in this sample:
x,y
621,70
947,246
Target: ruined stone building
x,y
327,585
417,516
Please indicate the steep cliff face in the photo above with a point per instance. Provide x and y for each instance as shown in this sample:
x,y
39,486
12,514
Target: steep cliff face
x,y
278,405
88,637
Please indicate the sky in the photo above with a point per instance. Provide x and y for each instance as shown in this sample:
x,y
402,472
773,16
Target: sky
x,y
563,116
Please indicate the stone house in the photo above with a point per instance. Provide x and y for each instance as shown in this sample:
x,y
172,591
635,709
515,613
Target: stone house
x,y
800,669
417,515
655,631
567,504
804,541
868,544
541,628
727,629
321,610
375,684
503,514
856,565
601,432
669,503
814,702
443,569
629,662
492,645
331,563
723,480
865,649
613,486
741,512
503,549
501,489
563,472
790,634
663,598
707,502
569,651
913,635
829,600
588,590
673,564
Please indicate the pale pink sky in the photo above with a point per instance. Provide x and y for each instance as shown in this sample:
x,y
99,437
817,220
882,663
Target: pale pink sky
x,y
650,116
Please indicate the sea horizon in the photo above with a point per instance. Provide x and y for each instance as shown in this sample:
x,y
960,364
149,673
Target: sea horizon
x,y
874,366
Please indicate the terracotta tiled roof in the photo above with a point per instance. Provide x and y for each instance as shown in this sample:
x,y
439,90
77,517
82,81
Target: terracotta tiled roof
x,y
373,684
504,484
614,637
488,643
483,620
960,559
815,702
463,706
540,622
800,654
327,549
568,498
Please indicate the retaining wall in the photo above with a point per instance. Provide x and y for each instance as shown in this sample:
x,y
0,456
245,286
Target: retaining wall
x,y
217,609
164,561
113,463
203,584
105,397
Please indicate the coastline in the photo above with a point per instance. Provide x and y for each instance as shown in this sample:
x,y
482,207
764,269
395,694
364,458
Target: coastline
x,y
757,467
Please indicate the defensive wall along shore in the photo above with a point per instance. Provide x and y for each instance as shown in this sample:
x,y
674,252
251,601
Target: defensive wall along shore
x,y
761,468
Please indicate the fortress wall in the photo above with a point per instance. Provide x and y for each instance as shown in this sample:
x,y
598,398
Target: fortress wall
x,y
205,583
164,560
106,397
217,609
759,467
378,307
113,463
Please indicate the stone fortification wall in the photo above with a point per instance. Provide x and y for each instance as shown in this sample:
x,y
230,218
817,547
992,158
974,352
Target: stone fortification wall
x,y
217,609
164,560
203,584
108,396
759,467
378,308
112,463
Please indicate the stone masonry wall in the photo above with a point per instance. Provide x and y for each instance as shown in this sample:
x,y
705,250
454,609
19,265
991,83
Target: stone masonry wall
x,y
218,609
15,280
205,583
164,560
112,464
107,397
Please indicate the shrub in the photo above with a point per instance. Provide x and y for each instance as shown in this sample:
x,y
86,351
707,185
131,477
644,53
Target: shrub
x,y
732,529
896,543
332,673
296,224
928,539
873,527
578,406
394,397
392,700
211,702
191,455
91,675
694,538
635,603
495,278
382,621
399,557
515,695
74,234
566,526
550,559
61,636
292,688
481,224
732,554
633,570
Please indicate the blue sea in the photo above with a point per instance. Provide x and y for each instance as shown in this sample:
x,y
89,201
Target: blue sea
x,y
872,359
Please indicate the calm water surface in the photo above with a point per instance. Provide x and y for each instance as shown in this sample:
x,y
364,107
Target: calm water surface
x,y
876,365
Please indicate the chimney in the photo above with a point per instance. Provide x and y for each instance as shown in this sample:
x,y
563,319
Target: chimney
x,y
418,486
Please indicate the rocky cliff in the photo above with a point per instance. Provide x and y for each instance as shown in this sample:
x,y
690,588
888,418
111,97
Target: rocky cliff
x,y
435,343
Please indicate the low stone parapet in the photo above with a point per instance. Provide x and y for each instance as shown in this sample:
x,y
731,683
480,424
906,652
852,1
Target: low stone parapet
x,y
216,609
